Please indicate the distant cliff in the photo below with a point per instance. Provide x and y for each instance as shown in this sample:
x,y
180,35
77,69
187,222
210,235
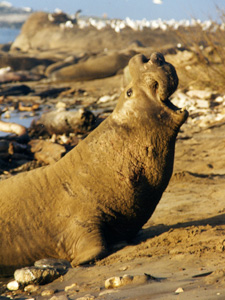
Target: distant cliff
x,y
11,16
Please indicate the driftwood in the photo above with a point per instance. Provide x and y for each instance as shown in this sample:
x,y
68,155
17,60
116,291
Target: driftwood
x,y
12,128
62,121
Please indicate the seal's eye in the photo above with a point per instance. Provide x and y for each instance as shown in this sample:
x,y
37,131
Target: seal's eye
x,y
129,92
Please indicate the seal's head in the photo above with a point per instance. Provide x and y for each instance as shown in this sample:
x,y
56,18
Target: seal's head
x,y
153,81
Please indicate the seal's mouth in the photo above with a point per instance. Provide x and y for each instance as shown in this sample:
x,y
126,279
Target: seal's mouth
x,y
180,112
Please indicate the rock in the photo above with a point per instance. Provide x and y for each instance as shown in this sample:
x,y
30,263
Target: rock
x,y
47,293
13,285
46,151
59,264
201,94
179,290
202,103
113,282
36,275
31,288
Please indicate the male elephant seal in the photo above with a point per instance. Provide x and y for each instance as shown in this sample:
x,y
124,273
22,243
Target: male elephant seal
x,y
106,188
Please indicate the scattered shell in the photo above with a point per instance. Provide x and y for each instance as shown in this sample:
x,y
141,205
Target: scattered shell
x,y
13,285
179,290
70,287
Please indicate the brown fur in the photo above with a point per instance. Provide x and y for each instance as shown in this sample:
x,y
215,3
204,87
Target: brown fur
x,y
106,188
102,66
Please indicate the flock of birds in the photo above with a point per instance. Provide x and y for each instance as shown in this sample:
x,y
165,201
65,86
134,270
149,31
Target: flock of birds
x,y
137,25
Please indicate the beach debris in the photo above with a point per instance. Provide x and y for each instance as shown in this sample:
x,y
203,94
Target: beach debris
x,y
13,285
13,128
179,290
33,107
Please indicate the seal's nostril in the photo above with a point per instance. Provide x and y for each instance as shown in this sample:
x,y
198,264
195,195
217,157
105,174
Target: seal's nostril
x,y
157,59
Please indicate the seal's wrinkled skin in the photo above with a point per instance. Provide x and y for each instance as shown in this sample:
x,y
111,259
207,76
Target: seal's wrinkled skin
x,y
106,188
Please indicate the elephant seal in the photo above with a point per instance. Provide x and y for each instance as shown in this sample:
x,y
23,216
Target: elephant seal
x,y
102,66
106,188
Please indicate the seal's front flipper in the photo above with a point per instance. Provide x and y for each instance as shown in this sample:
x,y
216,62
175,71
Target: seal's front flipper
x,y
89,248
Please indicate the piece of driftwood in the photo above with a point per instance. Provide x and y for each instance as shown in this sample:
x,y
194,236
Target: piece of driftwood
x,y
33,107
62,121
12,128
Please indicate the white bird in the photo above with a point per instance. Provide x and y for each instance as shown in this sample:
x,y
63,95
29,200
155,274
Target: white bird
x,y
157,1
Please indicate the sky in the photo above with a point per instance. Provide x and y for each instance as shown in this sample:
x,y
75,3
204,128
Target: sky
x,y
134,9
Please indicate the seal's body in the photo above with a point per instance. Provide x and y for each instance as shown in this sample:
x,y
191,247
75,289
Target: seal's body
x,y
106,188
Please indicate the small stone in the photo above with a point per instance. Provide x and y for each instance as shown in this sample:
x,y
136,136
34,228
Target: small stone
x,y
36,275
70,287
113,282
60,104
46,293
179,290
13,285
104,99
60,297
87,297
124,268
52,263
31,288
